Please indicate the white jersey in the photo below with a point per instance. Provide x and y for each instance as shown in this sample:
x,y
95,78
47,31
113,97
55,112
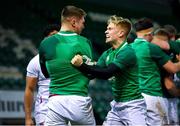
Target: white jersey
x,y
34,70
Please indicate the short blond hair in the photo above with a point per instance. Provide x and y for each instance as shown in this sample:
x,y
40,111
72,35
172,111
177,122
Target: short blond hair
x,y
120,21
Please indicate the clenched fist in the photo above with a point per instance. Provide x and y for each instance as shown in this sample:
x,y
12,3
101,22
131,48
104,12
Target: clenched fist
x,y
77,60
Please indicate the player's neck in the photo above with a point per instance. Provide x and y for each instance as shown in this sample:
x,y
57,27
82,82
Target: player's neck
x,y
118,43
67,28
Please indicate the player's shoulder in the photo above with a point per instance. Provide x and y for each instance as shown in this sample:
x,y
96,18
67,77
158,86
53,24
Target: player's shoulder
x,y
34,60
36,57
49,40
127,51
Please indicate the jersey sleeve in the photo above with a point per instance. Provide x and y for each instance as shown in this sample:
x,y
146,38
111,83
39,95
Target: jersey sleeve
x,y
47,46
91,48
102,60
158,55
32,70
46,53
96,71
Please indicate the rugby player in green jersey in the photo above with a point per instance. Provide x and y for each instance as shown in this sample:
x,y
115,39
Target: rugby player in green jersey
x,y
150,60
68,100
170,90
120,62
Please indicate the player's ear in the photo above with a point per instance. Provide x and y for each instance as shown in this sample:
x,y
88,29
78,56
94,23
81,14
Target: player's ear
x,y
121,33
73,21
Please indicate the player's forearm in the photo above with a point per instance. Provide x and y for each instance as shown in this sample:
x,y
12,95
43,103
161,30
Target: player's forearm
x,y
99,72
28,100
172,67
29,95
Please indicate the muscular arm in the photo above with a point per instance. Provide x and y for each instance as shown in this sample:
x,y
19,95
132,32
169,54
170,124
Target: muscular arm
x,y
172,67
163,59
28,99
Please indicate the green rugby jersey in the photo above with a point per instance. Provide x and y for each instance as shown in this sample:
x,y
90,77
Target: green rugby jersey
x,y
150,60
175,46
58,50
126,86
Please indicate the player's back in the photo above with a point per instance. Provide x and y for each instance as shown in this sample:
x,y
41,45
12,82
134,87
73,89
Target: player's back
x,y
59,50
148,69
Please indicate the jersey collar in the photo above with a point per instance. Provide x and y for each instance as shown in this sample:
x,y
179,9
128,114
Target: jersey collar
x,y
122,45
67,33
139,39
